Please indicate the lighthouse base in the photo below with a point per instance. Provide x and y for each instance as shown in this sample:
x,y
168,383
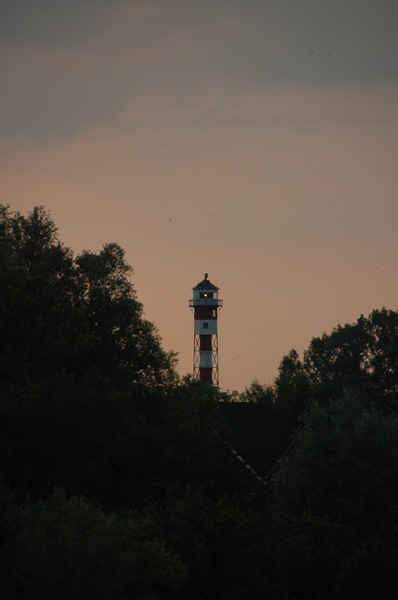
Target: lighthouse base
x,y
205,359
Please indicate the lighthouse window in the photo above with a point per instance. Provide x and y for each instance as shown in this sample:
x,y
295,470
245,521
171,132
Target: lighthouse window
x,y
206,294
214,312
205,326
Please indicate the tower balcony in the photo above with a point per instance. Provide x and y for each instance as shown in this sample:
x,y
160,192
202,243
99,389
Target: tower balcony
x,y
214,302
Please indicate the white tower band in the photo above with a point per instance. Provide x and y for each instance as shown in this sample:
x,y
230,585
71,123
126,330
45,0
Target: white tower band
x,y
205,305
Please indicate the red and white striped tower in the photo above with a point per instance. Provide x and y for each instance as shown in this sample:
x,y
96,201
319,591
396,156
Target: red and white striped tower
x,y
205,305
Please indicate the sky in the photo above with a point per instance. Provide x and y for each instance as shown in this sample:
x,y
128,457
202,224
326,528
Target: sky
x,y
252,140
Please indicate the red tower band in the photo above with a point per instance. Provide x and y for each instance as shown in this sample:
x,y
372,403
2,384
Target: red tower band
x,y
205,305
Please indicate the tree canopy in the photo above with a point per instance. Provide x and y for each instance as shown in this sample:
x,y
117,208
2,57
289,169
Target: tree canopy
x,y
59,312
117,477
362,356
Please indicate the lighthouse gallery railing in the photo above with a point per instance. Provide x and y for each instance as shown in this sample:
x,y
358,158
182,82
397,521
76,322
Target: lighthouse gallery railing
x,y
205,302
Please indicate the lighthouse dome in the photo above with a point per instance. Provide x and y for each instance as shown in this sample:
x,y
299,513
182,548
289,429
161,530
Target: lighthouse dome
x,y
205,284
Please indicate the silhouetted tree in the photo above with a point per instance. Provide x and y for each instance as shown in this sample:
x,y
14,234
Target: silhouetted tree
x,y
362,357
259,393
341,478
69,548
76,359
344,465
75,314
292,387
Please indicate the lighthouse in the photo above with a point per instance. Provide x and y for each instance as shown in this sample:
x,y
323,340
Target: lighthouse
x,y
205,306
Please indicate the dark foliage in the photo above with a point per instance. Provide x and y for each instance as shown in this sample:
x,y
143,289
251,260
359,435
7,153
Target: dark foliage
x,y
60,314
118,477
362,357
342,476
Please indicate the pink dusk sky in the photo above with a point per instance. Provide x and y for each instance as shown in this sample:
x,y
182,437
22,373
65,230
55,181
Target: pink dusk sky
x,y
255,140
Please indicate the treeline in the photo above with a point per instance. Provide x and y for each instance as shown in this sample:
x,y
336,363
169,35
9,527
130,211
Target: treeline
x,y
361,357
116,478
